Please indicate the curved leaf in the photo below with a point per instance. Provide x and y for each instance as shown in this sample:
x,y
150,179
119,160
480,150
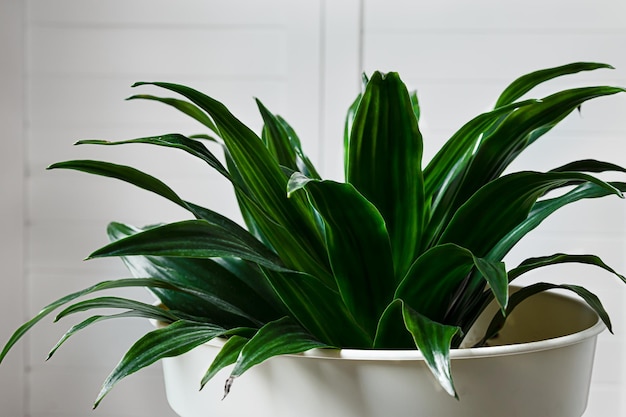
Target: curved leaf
x,y
279,337
214,291
385,162
291,227
527,82
227,355
358,247
559,258
172,140
172,340
433,340
184,106
191,239
503,204
523,293
431,286
543,209
47,310
520,129
319,309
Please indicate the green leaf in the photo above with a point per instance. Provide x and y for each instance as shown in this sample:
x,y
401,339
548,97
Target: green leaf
x,y
276,139
304,163
215,290
520,129
184,106
433,340
391,332
172,340
431,286
444,173
191,239
172,140
227,355
500,206
358,247
96,319
152,311
523,293
279,337
560,258
288,224
319,309
384,163
47,310
527,82
543,209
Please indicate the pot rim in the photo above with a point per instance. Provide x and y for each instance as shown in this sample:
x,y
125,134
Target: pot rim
x,y
455,354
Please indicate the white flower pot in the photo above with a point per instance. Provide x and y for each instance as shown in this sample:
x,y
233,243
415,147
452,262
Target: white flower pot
x,y
541,369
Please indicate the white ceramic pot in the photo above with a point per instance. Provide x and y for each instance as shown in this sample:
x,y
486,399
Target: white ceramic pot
x,y
541,367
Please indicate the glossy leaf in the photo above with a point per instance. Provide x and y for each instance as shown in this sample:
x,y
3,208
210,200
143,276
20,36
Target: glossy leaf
x,y
228,354
279,337
384,162
176,141
358,247
431,286
502,205
433,340
319,309
520,129
184,106
531,264
172,340
527,82
543,209
291,228
191,239
50,308
523,293
214,290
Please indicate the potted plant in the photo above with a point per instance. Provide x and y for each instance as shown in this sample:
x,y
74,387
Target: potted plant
x,y
400,263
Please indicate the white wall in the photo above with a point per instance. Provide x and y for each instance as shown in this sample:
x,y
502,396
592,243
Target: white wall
x,y
303,60
12,393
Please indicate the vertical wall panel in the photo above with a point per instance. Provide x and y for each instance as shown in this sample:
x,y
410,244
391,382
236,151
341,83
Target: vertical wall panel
x,y
12,388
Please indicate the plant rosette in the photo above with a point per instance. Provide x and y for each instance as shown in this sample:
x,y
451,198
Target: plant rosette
x,y
401,256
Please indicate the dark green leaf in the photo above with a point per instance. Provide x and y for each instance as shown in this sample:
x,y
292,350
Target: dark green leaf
x,y
559,258
213,290
96,319
358,247
191,239
276,139
543,209
101,286
279,337
173,140
227,355
527,82
172,340
433,340
520,129
384,163
431,286
319,309
523,293
500,206
184,106
288,224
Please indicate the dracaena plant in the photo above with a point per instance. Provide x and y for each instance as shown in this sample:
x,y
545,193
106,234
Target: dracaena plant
x,y
402,255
